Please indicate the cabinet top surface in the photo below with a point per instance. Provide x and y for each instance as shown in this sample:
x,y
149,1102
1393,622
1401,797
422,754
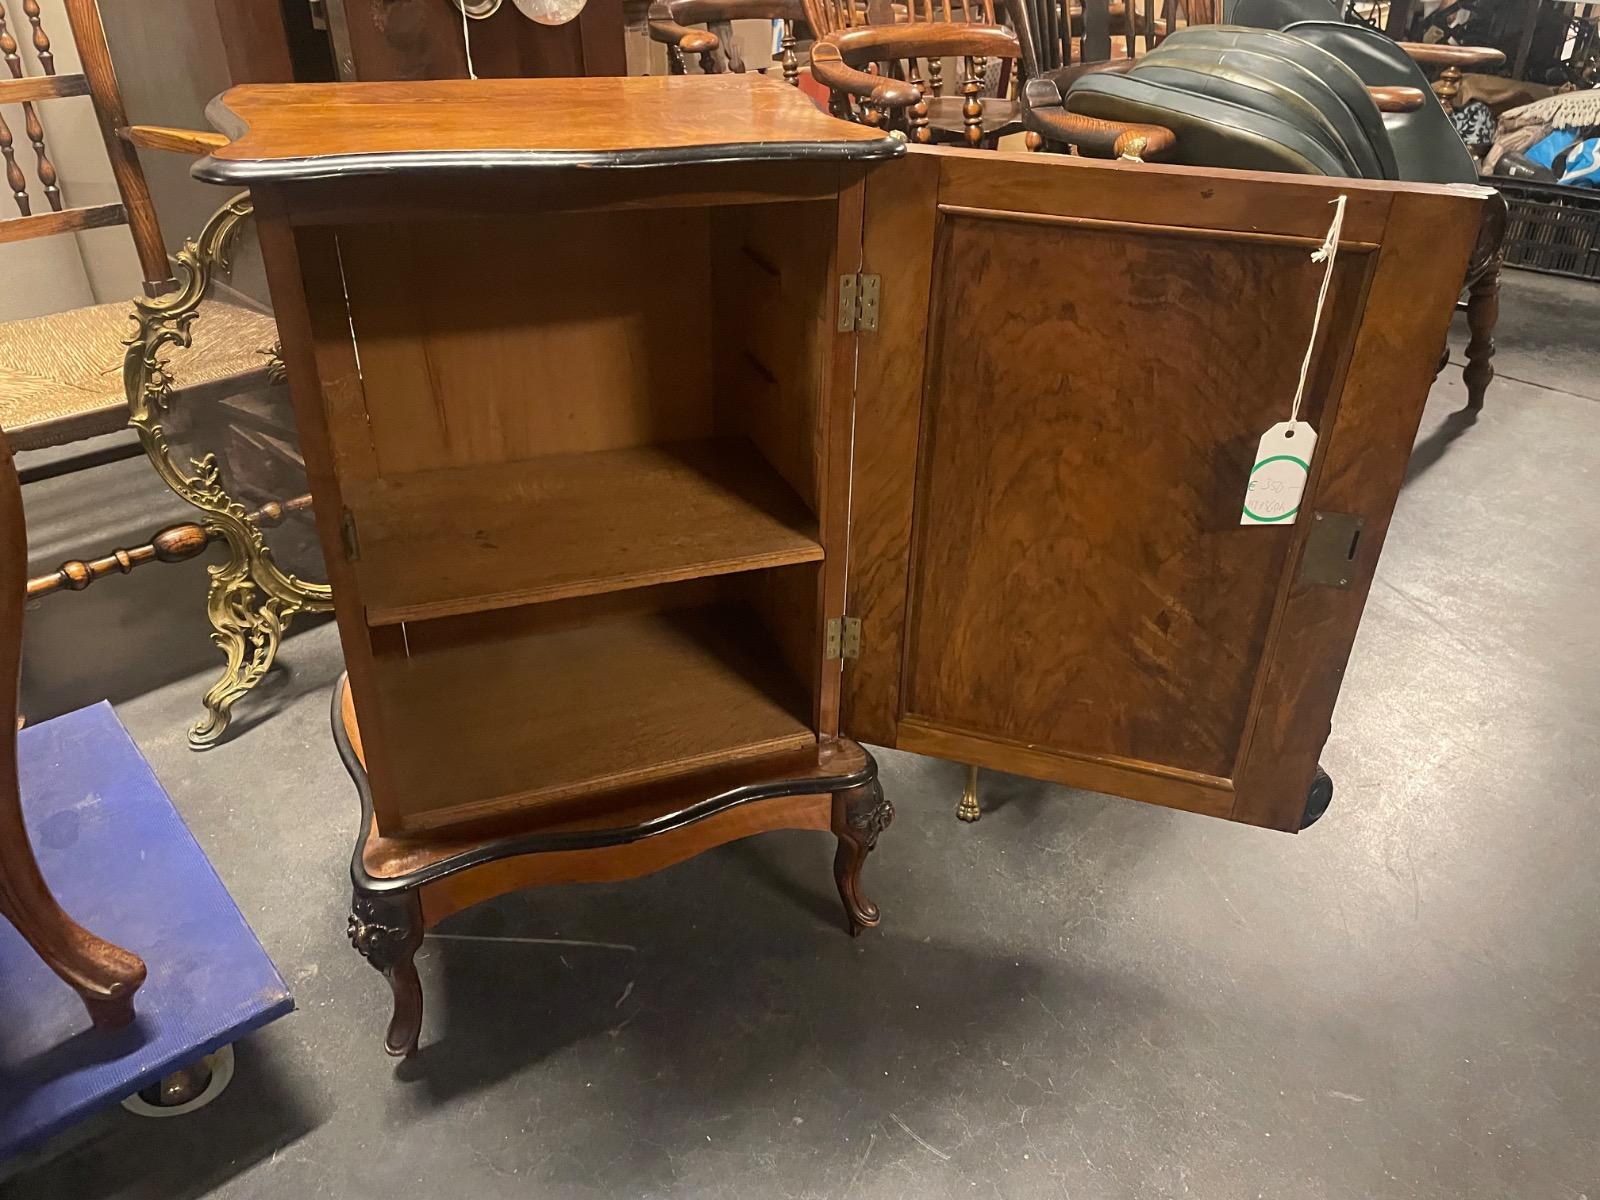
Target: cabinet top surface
x,y
296,131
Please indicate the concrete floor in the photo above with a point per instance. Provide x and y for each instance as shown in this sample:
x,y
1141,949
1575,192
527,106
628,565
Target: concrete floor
x,y
1078,996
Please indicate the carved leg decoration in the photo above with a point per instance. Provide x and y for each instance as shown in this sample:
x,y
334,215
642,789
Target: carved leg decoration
x,y
247,633
968,809
860,814
1483,310
386,930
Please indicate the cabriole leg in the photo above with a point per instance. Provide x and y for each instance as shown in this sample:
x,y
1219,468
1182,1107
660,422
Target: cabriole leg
x,y
860,814
386,930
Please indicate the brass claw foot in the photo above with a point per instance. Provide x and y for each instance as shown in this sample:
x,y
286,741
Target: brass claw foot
x,y
968,809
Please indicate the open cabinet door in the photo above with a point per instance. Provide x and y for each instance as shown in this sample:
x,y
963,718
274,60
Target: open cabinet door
x,y
1056,418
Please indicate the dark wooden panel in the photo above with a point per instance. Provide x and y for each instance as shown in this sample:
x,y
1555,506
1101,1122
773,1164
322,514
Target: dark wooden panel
x,y
1081,580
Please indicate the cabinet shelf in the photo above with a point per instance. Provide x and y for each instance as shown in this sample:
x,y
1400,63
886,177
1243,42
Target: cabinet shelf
x,y
470,539
558,712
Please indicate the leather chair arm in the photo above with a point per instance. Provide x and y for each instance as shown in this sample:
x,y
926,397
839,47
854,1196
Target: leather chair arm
x,y
1438,54
829,68
1396,99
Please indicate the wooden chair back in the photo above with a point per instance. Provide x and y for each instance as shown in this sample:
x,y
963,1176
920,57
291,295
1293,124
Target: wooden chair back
x,y
1089,31
909,42
98,81
835,15
715,44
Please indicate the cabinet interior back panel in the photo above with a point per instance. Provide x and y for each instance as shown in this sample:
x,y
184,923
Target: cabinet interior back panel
x,y
486,341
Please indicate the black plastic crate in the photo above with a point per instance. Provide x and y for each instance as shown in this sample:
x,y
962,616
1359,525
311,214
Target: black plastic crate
x,y
1551,228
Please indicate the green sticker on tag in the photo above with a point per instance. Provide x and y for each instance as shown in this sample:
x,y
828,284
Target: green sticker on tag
x,y
1278,479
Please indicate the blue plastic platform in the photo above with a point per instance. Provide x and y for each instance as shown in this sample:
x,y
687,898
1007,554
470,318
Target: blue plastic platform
x,y
122,862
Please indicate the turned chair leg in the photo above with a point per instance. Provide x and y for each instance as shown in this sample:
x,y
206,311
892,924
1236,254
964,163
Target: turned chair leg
x,y
1483,310
386,931
968,809
860,814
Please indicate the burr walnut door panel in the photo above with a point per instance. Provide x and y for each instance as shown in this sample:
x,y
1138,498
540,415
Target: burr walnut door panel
x,y
1055,423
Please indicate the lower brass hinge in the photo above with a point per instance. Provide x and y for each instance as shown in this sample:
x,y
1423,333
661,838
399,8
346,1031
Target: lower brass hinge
x,y
843,637
858,303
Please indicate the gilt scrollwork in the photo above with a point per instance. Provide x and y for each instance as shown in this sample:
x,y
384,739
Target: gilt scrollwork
x,y
251,599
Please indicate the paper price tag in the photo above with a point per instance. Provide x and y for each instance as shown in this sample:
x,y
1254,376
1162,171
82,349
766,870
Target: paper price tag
x,y
1278,479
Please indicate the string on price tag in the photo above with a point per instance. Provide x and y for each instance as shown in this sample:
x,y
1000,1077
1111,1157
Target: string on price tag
x,y
466,38
1283,456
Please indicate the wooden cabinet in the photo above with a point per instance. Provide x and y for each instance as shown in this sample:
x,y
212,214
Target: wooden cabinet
x,y
669,443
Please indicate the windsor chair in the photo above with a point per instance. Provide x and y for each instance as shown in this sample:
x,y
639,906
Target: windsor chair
x,y
884,65
715,45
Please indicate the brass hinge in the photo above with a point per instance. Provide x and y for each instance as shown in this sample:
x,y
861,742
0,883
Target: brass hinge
x,y
843,637
347,535
858,303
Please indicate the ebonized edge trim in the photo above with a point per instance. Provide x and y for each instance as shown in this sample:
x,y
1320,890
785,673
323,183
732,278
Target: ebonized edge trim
x,y
343,166
538,843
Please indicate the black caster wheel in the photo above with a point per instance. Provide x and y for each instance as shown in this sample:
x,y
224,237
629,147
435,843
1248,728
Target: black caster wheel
x,y
1318,796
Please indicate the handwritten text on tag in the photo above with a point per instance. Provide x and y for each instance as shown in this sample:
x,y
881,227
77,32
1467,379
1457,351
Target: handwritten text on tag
x,y
1278,479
